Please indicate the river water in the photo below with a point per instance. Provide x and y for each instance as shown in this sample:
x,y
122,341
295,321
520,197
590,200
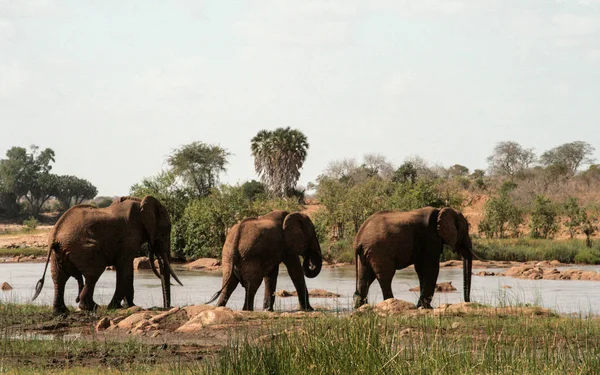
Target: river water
x,y
563,296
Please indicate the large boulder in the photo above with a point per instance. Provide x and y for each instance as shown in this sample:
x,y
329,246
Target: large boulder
x,y
133,320
143,263
204,264
194,310
6,287
393,306
219,315
441,287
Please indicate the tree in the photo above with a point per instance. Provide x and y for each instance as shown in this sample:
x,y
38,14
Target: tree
x,y
71,190
278,158
576,216
458,170
544,217
405,173
198,165
510,159
568,157
500,214
254,189
28,175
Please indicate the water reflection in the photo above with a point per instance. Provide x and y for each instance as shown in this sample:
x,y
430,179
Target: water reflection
x,y
570,296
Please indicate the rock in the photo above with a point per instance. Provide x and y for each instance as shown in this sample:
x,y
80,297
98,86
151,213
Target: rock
x,y
160,317
315,293
194,310
219,315
133,309
507,286
6,287
486,273
133,320
442,287
204,264
102,324
110,268
141,263
393,306
455,325
555,263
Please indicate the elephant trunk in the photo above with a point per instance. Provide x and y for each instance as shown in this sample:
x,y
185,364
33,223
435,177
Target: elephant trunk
x,y
467,269
313,261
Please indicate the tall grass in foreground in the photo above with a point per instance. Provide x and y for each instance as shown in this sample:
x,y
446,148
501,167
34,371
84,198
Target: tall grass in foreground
x,y
419,345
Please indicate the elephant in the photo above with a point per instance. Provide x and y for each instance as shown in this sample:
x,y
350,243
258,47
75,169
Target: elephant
x,y
255,247
86,239
392,240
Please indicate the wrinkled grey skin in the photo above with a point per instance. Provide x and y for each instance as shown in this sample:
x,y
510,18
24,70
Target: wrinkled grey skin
x,y
388,241
255,247
86,240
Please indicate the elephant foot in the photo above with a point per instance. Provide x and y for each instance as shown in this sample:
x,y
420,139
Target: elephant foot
x,y
60,310
424,305
88,306
307,308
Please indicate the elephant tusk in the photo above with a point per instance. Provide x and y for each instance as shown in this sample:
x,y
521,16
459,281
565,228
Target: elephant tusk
x,y
173,274
152,265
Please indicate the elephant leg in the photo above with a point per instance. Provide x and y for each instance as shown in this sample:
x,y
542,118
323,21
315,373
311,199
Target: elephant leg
x,y
227,289
294,267
270,288
385,282
366,276
251,289
124,288
428,274
87,294
60,278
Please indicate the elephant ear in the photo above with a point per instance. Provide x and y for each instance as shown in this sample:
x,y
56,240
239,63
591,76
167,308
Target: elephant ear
x,y
293,233
447,226
152,215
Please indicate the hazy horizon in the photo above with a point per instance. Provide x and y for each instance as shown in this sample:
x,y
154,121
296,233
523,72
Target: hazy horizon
x,y
114,87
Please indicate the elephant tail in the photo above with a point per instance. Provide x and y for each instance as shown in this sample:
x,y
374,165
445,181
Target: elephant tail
x,y
357,254
40,284
234,258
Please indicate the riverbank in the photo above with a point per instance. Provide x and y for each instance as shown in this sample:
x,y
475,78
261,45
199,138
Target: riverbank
x,y
462,338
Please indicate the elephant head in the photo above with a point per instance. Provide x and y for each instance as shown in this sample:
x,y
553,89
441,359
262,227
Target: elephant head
x,y
155,219
453,228
301,239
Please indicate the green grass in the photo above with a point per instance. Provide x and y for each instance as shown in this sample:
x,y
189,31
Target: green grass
x,y
497,343
528,249
23,231
419,345
25,251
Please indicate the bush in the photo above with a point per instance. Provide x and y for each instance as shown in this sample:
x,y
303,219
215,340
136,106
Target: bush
x,y
544,217
500,215
30,224
587,256
338,251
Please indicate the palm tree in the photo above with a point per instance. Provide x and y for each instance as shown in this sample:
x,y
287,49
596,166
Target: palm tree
x,y
278,158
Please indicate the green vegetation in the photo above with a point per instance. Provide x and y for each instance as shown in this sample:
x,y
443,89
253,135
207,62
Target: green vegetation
x,y
528,249
490,341
418,345
26,175
30,224
24,251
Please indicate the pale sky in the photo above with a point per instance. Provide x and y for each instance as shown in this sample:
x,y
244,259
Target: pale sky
x,y
114,86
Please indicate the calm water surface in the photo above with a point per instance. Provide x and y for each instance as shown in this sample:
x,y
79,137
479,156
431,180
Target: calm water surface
x,y
564,296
